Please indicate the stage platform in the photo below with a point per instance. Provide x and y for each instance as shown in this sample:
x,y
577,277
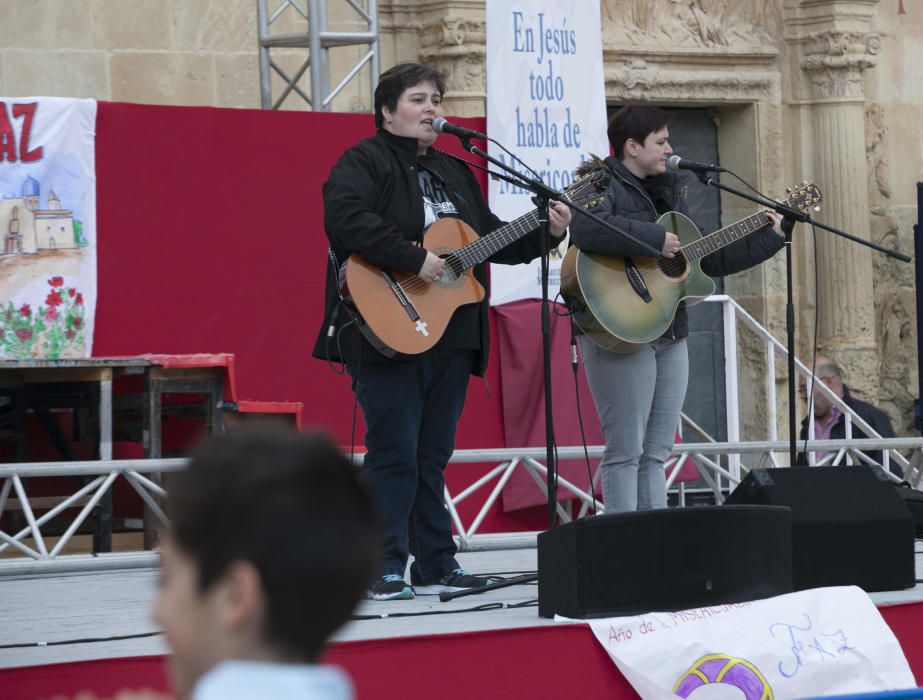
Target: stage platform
x,y
102,620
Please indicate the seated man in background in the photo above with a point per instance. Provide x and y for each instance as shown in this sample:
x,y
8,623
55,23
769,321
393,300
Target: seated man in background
x,y
829,421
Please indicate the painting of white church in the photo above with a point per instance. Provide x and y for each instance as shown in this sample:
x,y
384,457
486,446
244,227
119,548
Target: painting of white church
x,y
27,228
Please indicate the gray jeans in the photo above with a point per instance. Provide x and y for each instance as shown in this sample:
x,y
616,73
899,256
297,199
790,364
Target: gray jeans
x,y
639,397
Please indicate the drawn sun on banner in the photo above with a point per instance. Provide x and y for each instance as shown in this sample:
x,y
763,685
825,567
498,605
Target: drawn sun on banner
x,y
816,642
723,677
47,227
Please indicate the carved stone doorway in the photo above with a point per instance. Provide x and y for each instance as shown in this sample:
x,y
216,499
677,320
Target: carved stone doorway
x,y
694,135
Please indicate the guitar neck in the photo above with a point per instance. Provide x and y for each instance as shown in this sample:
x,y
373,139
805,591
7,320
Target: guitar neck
x,y
481,249
709,244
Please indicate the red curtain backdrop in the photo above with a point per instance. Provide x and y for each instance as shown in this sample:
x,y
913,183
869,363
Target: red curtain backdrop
x,y
211,240
519,339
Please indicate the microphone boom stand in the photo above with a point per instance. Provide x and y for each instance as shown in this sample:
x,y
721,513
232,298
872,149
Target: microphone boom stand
x,y
794,215
545,194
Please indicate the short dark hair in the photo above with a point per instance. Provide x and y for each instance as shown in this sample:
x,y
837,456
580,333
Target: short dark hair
x,y
395,80
634,122
245,494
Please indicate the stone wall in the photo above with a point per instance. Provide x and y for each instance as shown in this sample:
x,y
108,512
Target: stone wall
x,y
894,149
824,90
190,52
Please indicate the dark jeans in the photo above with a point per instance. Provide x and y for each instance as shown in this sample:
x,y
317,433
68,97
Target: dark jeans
x,y
411,411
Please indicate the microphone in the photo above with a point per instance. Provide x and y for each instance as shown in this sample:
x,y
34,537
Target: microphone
x,y
677,163
442,126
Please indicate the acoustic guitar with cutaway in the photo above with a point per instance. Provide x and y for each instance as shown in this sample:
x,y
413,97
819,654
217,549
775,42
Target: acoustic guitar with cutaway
x,y
401,314
621,303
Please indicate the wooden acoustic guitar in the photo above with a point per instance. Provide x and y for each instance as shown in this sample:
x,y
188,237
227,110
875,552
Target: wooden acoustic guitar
x,y
401,314
621,303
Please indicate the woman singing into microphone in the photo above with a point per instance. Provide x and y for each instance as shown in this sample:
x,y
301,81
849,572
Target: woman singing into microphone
x,y
639,395
381,196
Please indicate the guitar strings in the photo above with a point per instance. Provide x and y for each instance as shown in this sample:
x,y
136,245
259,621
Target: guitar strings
x,y
470,254
672,267
415,283
691,251
457,260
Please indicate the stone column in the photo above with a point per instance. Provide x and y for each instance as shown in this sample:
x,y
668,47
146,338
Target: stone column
x,y
834,48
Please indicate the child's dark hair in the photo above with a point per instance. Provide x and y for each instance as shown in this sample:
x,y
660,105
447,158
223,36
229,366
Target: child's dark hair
x,y
395,80
294,507
634,122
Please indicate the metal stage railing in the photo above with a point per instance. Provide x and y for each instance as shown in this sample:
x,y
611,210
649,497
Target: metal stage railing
x,y
720,465
28,551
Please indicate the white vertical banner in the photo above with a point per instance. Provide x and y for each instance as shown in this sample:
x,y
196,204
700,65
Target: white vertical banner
x,y
47,227
546,103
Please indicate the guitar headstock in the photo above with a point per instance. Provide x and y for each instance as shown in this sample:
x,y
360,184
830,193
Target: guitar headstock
x,y
804,196
586,191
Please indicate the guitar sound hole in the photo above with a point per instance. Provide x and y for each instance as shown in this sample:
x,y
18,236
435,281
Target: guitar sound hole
x,y
673,267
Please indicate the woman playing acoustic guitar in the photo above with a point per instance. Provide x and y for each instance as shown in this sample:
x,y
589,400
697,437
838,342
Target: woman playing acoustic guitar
x,y
639,393
380,199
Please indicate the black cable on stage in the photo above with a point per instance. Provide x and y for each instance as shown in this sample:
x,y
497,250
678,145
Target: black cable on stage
x,y
87,640
426,613
501,575
352,430
575,364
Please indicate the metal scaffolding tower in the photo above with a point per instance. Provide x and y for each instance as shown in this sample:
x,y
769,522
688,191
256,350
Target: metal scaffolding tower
x,y
318,41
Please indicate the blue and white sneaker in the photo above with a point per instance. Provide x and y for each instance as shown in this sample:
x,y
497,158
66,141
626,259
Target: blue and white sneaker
x,y
458,580
389,587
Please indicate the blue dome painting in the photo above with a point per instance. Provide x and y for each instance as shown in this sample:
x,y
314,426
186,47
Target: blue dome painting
x,y
31,188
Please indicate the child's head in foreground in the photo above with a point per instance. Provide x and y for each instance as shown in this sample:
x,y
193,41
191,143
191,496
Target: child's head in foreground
x,y
271,544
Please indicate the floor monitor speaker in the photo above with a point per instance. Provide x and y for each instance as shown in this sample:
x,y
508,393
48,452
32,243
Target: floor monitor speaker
x,y
849,525
668,559
913,499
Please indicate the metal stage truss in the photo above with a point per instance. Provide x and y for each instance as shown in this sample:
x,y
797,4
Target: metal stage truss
x,y
720,465
25,552
311,49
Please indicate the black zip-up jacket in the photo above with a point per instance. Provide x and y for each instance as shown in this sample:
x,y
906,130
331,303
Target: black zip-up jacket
x,y
373,206
634,206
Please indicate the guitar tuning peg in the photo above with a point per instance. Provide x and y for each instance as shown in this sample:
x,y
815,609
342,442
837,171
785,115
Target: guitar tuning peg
x,y
804,183
788,190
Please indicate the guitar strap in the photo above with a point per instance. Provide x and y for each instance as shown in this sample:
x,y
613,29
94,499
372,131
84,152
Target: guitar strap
x,y
335,264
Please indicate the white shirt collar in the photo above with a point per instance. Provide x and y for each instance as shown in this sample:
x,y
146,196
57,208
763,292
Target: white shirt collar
x,y
252,680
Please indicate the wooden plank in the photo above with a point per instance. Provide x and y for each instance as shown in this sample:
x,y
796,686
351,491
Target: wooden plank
x,y
121,362
167,374
43,502
40,375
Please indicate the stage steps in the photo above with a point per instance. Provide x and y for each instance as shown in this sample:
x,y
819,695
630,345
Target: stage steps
x,y
238,414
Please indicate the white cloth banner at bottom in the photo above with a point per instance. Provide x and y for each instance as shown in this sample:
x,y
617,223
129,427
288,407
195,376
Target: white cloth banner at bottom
x,y
823,641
